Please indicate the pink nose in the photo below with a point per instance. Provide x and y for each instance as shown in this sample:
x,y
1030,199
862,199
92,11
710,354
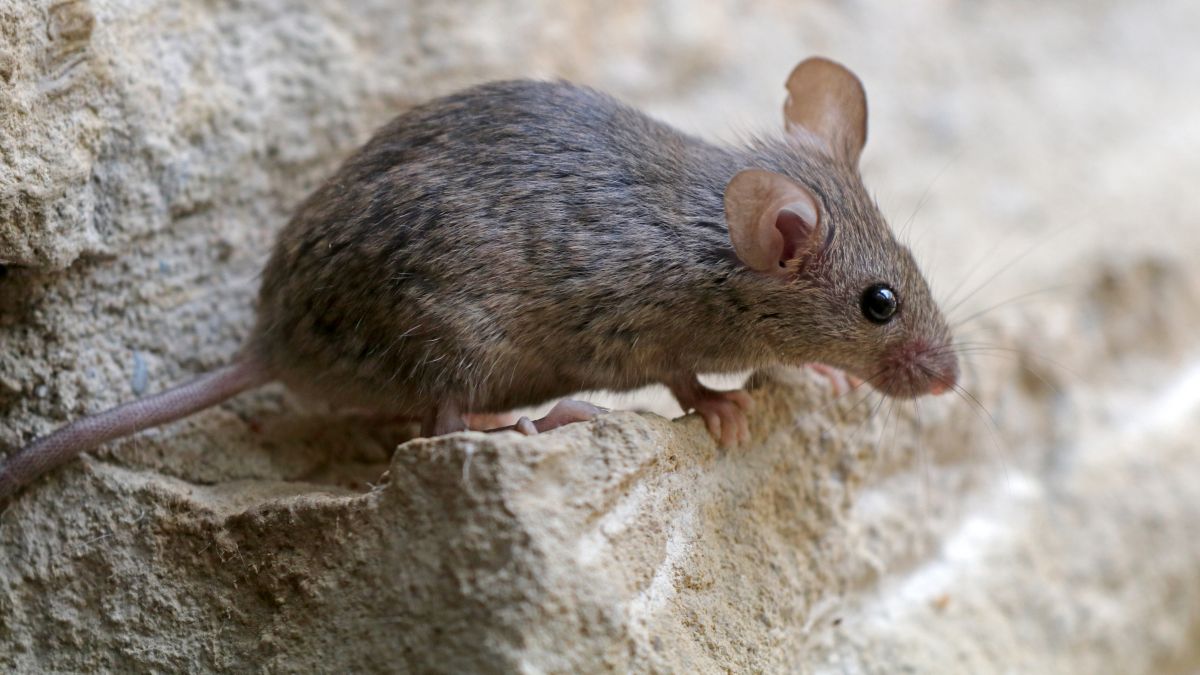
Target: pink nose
x,y
944,381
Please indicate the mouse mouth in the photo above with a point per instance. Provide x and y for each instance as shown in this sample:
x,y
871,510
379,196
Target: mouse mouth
x,y
916,369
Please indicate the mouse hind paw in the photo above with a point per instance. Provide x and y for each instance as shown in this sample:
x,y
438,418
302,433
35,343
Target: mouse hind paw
x,y
566,411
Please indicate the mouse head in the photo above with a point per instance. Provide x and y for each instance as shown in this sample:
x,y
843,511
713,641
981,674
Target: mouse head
x,y
840,288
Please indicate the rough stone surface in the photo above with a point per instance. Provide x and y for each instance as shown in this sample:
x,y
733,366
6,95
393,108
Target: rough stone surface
x,y
1046,521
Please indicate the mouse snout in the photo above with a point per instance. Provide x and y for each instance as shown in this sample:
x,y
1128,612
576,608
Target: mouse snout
x,y
918,368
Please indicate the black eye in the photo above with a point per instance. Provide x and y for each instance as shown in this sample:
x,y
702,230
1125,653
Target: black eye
x,y
879,303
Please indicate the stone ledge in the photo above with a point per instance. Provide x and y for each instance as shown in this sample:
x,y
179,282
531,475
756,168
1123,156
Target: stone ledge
x,y
841,537
630,542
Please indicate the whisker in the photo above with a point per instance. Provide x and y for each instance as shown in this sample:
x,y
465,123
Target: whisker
x,y
978,407
870,417
1016,354
866,397
1029,370
1010,301
874,413
1024,254
904,229
923,462
1009,265
976,265
883,429
853,389
993,427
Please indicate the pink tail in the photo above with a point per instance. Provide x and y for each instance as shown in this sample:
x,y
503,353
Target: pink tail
x,y
82,435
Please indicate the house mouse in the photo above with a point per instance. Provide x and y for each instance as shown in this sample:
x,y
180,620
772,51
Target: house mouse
x,y
520,241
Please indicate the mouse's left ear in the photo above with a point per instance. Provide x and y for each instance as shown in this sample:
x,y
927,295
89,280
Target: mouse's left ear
x,y
825,98
772,220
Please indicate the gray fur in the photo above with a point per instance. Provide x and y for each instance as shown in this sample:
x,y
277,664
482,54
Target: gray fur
x,y
521,241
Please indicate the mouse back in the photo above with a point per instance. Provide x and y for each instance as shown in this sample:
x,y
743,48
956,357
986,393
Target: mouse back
x,y
488,227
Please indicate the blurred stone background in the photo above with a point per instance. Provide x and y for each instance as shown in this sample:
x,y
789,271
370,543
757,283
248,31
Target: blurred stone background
x,y
1042,152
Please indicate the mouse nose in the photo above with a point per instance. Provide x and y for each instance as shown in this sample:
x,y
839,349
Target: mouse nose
x,y
944,375
915,369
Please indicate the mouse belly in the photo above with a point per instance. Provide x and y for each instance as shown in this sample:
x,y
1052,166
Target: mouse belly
x,y
390,330
408,381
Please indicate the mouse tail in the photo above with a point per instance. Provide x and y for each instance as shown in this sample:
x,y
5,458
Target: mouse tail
x,y
82,435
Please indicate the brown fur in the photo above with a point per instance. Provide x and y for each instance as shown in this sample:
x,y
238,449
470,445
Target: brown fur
x,y
523,240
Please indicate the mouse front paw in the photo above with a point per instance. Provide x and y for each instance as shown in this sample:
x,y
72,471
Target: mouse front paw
x,y
725,416
841,381
724,412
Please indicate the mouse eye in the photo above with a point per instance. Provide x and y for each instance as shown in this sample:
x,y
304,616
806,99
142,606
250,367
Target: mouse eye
x,y
879,303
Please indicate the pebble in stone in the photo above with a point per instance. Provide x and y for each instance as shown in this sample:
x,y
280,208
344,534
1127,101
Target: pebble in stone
x,y
140,374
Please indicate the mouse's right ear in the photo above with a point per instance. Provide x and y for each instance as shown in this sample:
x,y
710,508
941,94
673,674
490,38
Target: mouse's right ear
x,y
828,100
772,220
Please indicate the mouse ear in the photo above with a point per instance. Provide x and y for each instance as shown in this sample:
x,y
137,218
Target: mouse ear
x,y
772,220
825,98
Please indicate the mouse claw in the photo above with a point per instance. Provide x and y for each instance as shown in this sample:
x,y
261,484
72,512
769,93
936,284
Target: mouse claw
x,y
841,381
712,420
566,411
742,399
525,426
724,413
725,419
